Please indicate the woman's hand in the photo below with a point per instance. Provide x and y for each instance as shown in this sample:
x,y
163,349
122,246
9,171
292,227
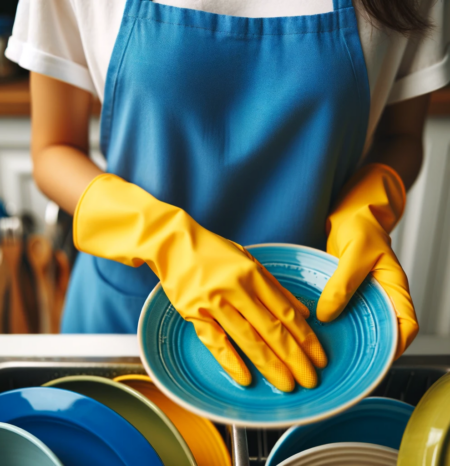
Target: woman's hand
x,y
212,282
358,234
370,205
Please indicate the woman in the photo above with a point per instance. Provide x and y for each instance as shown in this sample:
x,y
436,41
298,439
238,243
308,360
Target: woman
x,y
229,123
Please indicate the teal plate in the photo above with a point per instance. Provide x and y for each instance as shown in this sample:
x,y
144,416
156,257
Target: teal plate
x,y
19,448
360,345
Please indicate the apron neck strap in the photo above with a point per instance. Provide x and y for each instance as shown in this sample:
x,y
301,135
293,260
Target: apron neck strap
x,y
340,4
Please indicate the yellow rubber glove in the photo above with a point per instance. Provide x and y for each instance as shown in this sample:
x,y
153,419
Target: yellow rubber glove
x,y
358,230
212,282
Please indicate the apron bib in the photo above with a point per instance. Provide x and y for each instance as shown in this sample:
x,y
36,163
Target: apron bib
x,y
252,125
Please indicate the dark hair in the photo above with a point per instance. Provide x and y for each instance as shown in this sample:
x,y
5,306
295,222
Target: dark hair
x,y
403,16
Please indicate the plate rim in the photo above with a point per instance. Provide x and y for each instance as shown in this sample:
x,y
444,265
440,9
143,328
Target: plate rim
x,y
337,445
295,427
80,421
272,424
145,379
33,439
131,392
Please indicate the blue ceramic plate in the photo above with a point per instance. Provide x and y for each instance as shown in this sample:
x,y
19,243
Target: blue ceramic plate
x,y
78,429
380,421
19,447
360,345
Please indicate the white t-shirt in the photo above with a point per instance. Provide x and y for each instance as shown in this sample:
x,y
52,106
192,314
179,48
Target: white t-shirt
x,y
72,40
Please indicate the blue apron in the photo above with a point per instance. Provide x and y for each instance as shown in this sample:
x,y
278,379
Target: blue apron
x,y
252,125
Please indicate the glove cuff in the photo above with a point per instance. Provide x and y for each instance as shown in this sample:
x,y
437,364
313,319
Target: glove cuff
x,y
111,220
118,220
399,182
376,187
395,192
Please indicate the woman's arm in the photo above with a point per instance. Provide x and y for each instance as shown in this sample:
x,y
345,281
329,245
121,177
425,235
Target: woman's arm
x,y
60,140
370,205
398,140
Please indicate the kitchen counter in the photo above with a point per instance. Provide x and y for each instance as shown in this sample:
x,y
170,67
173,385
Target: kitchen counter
x,y
15,100
126,346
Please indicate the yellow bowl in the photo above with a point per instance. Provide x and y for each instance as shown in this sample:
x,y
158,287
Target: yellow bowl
x,y
426,438
202,437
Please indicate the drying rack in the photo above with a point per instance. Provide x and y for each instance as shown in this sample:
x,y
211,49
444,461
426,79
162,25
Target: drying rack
x,y
32,360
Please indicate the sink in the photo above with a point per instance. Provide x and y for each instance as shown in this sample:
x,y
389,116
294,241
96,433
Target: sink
x,y
408,379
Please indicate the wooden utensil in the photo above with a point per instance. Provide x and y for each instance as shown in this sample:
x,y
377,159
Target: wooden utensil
x,y
29,294
40,255
5,282
62,275
12,252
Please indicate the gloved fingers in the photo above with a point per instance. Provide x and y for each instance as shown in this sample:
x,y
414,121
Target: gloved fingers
x,y
390,275
354,266
256,349
310,344
281,342
294,322
294,302
215,339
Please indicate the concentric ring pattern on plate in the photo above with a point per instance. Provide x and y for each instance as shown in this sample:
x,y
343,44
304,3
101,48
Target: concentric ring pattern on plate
x,y
360,345
344,454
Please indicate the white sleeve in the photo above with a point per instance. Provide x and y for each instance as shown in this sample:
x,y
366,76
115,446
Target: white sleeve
x,y
425,65
46,39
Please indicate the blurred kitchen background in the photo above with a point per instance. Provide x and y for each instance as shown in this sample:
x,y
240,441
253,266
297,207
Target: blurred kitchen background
x,y
36,250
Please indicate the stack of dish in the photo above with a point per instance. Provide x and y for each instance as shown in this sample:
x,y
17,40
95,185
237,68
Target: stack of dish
x,y
379,422
77,429
97,421
202,437
344,454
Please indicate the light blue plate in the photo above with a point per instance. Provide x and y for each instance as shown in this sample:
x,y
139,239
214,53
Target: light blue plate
x,y
19,448
380,421
78,429
360,345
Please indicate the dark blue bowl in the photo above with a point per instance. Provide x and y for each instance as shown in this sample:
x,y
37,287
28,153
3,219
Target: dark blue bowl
x,y
380,421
